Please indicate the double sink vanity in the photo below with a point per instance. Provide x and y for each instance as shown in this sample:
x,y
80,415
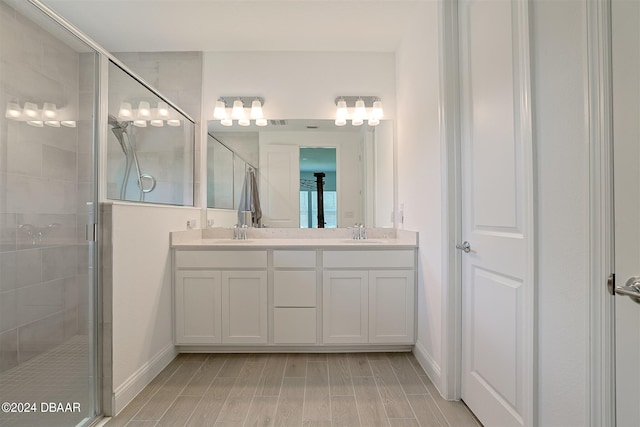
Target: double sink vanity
x,y
294,290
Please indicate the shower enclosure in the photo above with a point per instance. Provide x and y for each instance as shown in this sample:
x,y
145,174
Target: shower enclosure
x,y
78,128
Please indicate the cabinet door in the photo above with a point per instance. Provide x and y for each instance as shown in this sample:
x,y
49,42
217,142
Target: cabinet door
x,y
391,306
344,309
197,307
244,307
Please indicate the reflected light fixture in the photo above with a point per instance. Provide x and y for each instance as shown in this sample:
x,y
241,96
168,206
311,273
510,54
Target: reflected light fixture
x,y
173,122
162,110
30,110
157,123
52,123
144,110
13,111
49,111
360,104
125,112
68,123
140,123
36,123
226,122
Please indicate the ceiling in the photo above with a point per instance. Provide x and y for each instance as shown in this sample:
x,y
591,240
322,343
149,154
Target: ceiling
x,y
243,25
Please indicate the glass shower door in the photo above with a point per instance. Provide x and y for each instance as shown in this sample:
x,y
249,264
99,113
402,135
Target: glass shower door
x,y
48,354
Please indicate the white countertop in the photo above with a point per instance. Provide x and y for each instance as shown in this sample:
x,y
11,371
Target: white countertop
x,y
293,238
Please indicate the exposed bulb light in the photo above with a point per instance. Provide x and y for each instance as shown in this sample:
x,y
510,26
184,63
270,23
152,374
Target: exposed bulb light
x,y
125,112
30,110
52,123
13,111
256,109
162,110
157,123
226,122
261,122
144,110
376,111
220,110
140,123
173,122
238,110
244,122
68,123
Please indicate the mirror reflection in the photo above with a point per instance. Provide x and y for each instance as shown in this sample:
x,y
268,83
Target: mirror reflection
x,y
308,173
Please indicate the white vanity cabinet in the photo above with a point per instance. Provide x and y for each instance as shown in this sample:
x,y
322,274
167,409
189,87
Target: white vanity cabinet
x,y
368,297
220,297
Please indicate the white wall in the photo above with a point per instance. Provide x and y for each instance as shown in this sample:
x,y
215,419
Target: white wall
x,y
561,138
142,298
299,85
419,174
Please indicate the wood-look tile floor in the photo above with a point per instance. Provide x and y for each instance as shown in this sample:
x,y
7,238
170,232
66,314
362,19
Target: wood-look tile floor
x,y
355,389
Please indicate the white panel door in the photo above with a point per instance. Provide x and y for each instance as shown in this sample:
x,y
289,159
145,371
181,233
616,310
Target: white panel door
x,y
497,171
197,307
391,306
345,301
244,307
280,185
626,132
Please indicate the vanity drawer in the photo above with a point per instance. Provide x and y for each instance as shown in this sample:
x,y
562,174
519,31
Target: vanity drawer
x,y
294,259
368,259
221,259
294,288
294,326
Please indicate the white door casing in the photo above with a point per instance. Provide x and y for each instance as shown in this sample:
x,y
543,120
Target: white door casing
x,y
280,185
626,177
498,320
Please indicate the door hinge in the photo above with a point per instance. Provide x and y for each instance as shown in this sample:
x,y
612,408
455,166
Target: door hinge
x,y
611,284
91,232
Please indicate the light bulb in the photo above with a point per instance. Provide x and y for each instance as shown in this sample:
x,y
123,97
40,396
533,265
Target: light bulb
x,y
220,110
140,123
157,123
68,123
49,111
162,110
238,109
125,112
52,123
244,122
360,112
261,122
226,122
30,110
376,111
144,110
373,121
341,121
256,109
13,111
173,122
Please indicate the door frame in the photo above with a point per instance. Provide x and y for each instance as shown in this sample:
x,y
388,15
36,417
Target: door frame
x,y
451,156
601,375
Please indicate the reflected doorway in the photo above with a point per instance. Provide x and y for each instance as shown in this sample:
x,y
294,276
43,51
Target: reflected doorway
x,y
318,189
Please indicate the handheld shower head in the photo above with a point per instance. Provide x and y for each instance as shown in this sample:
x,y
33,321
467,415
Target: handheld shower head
x,y
119,129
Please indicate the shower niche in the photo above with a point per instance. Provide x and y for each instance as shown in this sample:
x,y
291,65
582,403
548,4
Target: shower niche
x,y
150,145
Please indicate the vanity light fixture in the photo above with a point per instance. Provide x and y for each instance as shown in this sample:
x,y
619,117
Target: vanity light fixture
x,y
238,111
162,111
125,112
360,104
30,110
144,111
49,111
13,111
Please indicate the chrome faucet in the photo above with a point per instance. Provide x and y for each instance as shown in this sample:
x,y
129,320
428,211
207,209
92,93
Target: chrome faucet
x,y
359,232
240,233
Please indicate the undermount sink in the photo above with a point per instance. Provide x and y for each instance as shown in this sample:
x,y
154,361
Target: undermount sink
x,y
363,241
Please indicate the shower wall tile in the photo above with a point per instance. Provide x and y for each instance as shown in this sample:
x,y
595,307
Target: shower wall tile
x,y
8,349
41,300
7,232
59,262
59,164
38,337
24,157
28,267
71,292
70,323
50,230
8,314
7,271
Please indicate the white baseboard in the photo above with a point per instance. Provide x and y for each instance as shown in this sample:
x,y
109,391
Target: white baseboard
x,y
125,393
430,367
